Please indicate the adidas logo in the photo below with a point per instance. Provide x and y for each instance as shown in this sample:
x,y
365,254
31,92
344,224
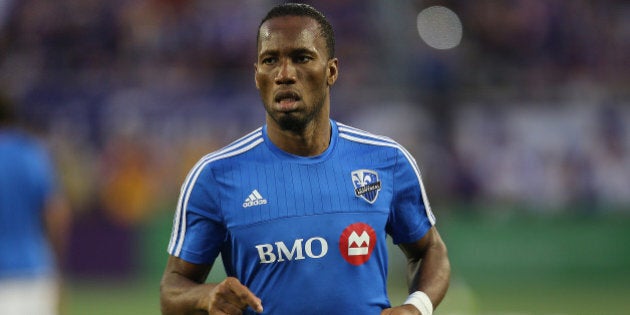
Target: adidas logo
x,y
254,199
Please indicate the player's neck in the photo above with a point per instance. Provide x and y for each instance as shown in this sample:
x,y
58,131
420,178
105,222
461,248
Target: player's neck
x,y
313,140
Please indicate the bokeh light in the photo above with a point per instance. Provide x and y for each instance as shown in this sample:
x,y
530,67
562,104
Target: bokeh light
x,y
439,27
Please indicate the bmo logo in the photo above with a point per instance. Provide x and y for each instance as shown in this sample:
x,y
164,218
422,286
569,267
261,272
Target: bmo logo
x,y
357,243
314,247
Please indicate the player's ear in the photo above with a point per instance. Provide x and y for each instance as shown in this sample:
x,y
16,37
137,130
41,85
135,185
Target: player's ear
x,y
332,71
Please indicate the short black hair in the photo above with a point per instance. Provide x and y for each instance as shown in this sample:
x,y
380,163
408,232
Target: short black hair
x,y
301,9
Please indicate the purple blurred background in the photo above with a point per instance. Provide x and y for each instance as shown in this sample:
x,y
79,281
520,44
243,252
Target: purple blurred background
x,y
530,112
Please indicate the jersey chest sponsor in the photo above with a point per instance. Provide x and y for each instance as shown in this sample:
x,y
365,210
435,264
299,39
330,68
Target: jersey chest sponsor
x,y
279,251
356,244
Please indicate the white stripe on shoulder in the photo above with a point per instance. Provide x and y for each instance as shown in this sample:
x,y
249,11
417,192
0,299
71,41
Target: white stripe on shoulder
x,y
359,132
232,146
392,144
240,146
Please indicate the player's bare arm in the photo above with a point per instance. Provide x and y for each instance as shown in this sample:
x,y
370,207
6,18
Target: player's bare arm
x,y
429,270
183,291
429,266
57,221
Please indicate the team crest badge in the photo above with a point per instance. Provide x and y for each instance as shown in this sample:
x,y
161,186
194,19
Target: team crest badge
x,y
366,184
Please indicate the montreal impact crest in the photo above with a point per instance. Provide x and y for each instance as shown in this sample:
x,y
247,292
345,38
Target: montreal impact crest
x,y
366,184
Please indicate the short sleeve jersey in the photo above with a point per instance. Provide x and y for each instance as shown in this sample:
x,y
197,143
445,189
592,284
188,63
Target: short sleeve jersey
x,y
307,235
27,180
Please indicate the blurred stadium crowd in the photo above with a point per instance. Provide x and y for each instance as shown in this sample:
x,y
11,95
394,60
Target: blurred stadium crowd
x,y
531,109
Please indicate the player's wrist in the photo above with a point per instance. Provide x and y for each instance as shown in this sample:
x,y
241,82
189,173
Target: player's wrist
x,y
421,301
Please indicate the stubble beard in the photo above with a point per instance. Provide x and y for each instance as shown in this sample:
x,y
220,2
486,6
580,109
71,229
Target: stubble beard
x,y
295,122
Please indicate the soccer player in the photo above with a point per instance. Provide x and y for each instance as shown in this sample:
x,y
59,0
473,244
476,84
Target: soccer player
x,y
299,209
34,222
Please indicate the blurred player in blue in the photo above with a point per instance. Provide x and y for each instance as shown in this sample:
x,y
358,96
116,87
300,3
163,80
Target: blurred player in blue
x,y
34,220
299,209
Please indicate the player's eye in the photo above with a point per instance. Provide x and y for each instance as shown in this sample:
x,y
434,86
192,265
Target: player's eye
x,y
269,60
302,59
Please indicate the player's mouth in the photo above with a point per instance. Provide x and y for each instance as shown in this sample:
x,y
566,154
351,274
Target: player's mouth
x,y
286,101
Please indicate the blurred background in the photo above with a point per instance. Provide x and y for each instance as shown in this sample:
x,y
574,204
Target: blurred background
x,y
517,111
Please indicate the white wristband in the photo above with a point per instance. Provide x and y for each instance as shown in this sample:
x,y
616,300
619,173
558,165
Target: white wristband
x,y
421,301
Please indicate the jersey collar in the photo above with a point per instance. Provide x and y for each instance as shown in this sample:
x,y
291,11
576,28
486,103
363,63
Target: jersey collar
x,y
288,157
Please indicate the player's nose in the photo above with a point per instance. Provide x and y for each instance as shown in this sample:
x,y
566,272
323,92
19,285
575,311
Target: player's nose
x,y
286,72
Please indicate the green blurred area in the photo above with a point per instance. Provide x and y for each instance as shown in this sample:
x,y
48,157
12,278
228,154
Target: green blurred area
x,y
502,264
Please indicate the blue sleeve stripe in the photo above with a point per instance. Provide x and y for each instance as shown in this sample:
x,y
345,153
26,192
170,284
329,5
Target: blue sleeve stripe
x,y
178,233
365,137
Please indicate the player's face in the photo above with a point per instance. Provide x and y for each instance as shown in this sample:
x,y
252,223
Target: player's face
x,y
293,72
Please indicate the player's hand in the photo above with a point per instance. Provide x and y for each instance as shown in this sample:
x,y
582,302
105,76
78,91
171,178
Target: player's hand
x,y
230,297
401,310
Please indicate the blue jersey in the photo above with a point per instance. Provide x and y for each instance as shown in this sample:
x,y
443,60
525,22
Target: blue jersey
x,y
307,235
26,182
